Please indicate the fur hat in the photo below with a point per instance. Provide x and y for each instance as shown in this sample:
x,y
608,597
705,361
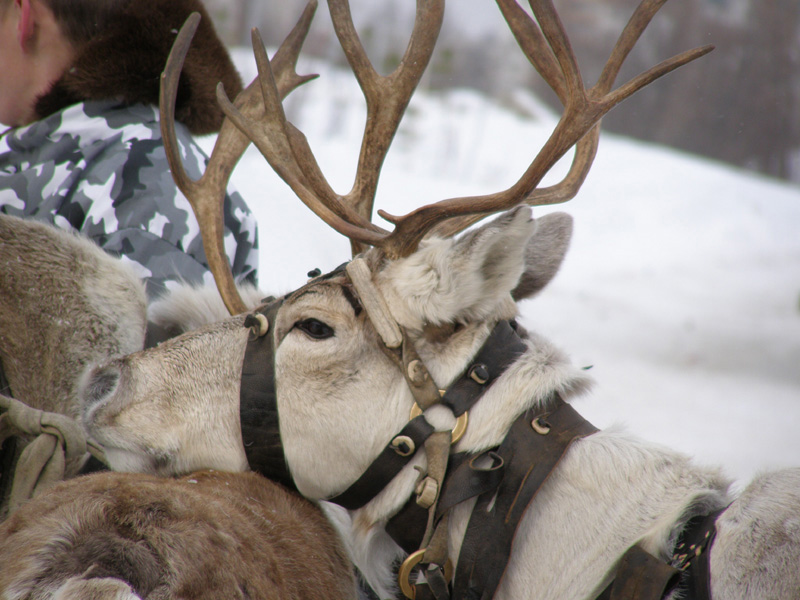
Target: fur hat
x,y
126,60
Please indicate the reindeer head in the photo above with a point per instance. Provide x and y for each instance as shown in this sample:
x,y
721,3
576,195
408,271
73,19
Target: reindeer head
x,y
341,392
354,350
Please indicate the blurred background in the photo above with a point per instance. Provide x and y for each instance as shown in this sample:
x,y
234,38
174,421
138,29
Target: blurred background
x,y
740,104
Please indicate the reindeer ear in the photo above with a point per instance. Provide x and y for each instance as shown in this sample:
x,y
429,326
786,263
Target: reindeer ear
x,y
544,254
497,250
466,279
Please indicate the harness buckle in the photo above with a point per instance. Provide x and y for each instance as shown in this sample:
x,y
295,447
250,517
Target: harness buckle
x,y
406,569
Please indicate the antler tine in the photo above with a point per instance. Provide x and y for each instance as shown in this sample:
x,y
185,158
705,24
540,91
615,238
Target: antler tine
x,y
386,97
636,25
539,53
207,193
287,151
566,189
583,111
535,46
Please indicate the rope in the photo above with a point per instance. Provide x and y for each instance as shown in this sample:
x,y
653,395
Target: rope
x,y
58,441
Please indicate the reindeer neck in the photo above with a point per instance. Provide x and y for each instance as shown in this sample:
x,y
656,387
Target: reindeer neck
x,y
610,491
534,372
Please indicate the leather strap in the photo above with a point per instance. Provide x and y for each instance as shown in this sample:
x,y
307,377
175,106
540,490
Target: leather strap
x,y
692,553
466,480
407,527
501,349
641,576
258,406
529,458
384,468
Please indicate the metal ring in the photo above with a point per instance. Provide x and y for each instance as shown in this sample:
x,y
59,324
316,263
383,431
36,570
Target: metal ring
x,y
458,430
404,574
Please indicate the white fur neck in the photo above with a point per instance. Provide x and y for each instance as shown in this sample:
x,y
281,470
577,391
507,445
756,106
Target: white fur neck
x,y
533,378
592,499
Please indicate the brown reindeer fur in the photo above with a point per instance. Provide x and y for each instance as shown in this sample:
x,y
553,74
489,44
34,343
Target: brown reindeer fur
x,y
208,535
64,304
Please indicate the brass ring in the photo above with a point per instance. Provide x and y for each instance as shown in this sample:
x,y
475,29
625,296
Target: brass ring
x,y
458,430
404,574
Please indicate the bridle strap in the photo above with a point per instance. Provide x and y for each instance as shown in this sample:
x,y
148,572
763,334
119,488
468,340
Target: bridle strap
x,y
394,457
692,555
533,447
642,576
258,402
500,350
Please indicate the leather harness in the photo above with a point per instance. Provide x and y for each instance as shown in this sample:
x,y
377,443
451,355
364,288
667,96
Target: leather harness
x,y
503,481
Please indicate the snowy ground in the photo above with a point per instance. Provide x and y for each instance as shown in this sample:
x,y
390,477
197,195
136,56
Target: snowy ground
x,y
681,288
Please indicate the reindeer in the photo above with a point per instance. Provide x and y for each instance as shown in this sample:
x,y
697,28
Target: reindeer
x,y
400,386
64,305
207,535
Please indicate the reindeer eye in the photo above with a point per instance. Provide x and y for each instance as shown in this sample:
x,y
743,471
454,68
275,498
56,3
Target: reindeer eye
x,y
315,329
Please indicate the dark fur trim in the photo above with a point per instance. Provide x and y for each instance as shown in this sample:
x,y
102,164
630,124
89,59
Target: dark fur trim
x,y
126,62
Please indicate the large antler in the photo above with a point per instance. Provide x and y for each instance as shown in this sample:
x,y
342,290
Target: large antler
x,y
207,193
287,150
556,63
544,42
548,48
257,114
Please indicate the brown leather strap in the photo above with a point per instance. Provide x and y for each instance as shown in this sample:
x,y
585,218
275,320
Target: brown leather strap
x,y
501,349
692,552
384,468
641,576
407,527
258,406
529,458
465,479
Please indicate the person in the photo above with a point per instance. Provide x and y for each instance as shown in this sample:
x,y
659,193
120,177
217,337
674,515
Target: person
x,y
79,85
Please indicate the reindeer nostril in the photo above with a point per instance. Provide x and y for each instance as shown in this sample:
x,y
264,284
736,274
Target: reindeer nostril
x,y
101,384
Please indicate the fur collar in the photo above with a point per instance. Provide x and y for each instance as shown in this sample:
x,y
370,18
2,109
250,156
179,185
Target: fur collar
x,y
126,60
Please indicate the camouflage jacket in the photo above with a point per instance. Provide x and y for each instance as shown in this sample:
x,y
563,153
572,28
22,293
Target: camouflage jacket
x,y
98,167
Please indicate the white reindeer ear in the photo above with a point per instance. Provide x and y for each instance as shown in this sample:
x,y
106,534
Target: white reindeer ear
x,y
544,254
467,278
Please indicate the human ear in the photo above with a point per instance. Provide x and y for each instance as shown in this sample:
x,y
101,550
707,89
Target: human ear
x,y
26,24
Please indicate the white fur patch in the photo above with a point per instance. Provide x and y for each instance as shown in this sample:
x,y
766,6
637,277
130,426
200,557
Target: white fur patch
x,y
188,307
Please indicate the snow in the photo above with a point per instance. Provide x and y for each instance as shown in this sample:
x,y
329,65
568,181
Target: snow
x,y
681,288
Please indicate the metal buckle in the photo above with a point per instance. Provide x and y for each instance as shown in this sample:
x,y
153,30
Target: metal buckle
x,y
404,574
